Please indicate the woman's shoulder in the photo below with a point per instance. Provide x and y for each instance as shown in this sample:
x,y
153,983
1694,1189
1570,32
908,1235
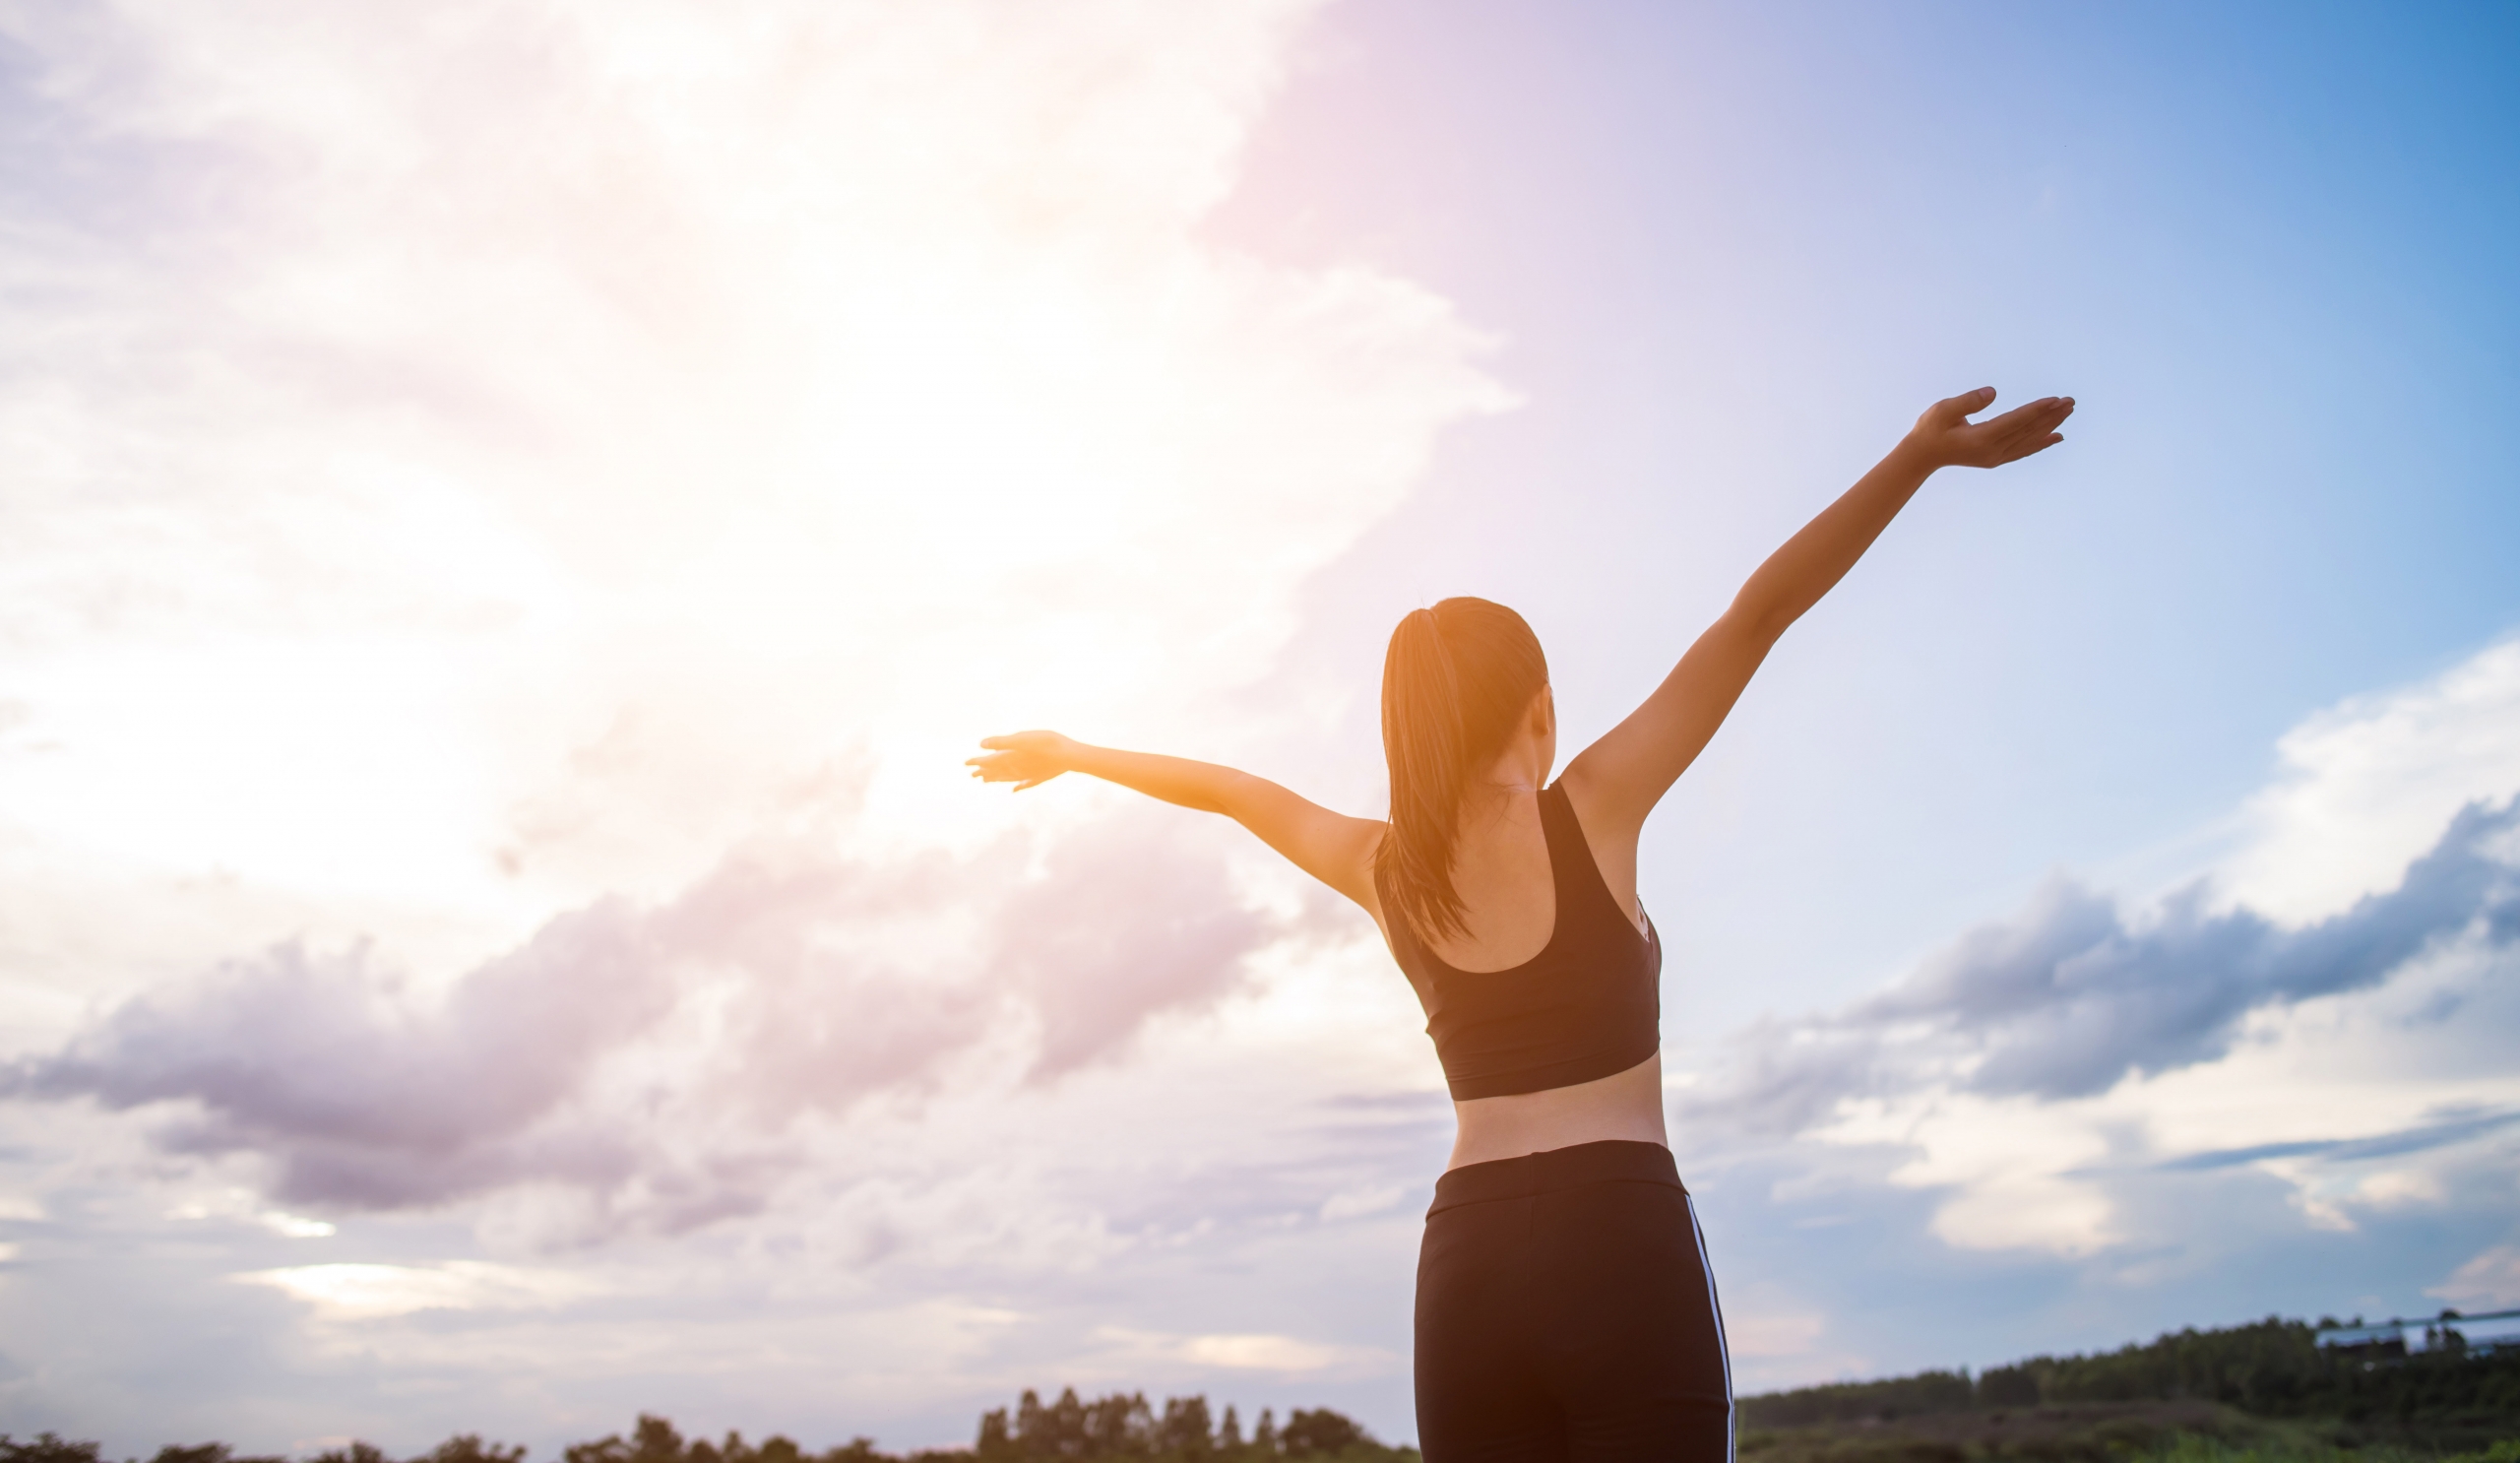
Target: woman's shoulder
x,y
1599,804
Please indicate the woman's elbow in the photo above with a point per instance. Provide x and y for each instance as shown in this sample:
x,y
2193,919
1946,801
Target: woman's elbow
x,y
1756,624
1234,794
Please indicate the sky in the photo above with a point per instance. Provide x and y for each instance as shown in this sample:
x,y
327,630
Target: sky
x,y
515,514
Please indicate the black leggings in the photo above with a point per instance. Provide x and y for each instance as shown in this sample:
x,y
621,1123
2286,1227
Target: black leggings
x,y
1565,1312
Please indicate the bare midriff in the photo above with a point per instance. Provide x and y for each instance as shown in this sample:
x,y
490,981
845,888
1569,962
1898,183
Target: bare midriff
x,y
1625,1104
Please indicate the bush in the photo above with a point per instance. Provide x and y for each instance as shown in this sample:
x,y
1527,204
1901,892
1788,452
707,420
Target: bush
x,y
45,1448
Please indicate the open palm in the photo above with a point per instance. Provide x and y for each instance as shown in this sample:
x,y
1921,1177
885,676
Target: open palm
x,y
1948,438
1026,759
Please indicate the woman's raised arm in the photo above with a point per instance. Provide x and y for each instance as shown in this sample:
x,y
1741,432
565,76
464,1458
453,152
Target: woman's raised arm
x,y
1330,847
1617,780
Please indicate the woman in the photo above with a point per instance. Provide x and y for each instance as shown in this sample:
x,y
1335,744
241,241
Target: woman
x,y
1564,1307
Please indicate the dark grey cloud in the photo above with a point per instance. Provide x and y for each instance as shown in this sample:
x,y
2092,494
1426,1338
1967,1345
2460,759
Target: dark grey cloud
x,y
364,1099
801,980
2072,996
2418,1139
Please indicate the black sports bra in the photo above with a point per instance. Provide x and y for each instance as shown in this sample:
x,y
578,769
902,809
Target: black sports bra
x,y
1588,1005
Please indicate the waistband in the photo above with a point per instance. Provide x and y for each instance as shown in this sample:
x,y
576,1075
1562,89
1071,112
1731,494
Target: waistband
x,y
1610,1161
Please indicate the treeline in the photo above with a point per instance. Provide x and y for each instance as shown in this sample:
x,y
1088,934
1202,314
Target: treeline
x,y
2271,1368
2274,1368
47,1447
1122,1425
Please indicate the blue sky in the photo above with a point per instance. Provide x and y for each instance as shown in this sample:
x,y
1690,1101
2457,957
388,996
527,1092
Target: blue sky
x,y
518,513
2260,245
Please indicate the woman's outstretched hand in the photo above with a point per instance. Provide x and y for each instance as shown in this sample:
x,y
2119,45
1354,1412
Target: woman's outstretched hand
x,y
1945,437
1026,759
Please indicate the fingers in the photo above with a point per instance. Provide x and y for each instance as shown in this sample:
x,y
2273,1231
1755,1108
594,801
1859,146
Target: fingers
x,y
1953,411
1010,767
2023,429
1016,742
2030,447
2025,418
2039,430
2016,434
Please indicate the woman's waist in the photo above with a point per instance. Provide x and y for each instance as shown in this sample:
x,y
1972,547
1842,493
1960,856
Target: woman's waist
x,y
1557,1171
1624,1107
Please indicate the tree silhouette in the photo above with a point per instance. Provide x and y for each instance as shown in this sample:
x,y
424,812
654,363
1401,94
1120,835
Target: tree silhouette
x,y
47,1447
1125,1425
1122,1425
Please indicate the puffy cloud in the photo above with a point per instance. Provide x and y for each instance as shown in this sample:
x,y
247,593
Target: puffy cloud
x,y
2361,787
595,1055
2491,1279
2074,995
1257,1353
1123,926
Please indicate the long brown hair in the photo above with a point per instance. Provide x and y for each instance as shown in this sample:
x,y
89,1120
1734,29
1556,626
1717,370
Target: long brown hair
x,y
1455,681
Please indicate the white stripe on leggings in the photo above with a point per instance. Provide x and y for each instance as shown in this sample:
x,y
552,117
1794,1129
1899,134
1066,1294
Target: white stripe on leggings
x,y
1721,1344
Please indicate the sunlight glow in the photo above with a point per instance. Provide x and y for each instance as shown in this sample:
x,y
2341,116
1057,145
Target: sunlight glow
x,y
370,1291
579,475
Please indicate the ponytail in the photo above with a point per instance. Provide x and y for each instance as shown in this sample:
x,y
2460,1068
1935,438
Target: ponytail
x,y
1453,684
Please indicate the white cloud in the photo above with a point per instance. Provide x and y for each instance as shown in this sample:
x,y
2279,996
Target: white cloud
x,y
2393,1187
355,1292
1350,1203
1245,1353
2009,1166
2357,1102
2366,785
1271,1353
2491,1279
1768,1334
243,1204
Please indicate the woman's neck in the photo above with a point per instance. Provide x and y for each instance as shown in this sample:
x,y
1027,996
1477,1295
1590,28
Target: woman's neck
x,y
1493,799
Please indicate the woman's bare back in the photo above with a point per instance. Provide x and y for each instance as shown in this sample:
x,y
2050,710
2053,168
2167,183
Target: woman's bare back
x,y
1508,891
